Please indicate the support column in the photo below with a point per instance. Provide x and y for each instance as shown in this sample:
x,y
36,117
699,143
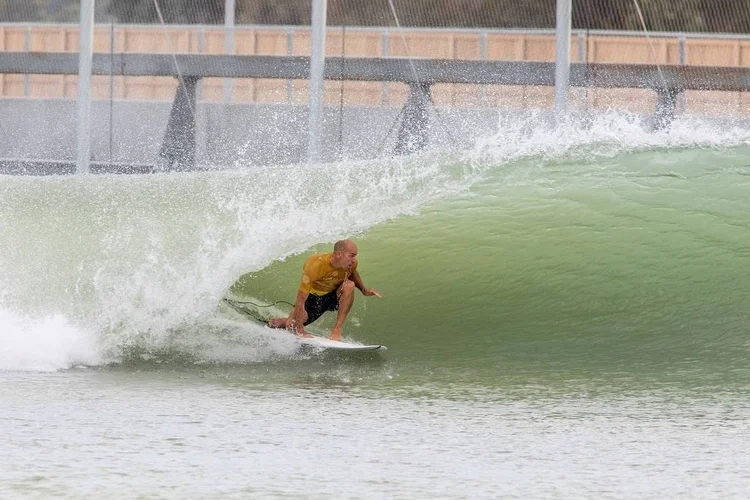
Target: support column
x,y
562,60
413,134
665,107
178,147
229,8
315,85
85,59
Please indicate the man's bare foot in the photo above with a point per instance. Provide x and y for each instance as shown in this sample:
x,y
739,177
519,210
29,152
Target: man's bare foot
x,y
304,335
335,334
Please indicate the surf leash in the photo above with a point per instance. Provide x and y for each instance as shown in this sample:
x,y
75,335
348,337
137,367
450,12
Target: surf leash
x,y
259,305
237,305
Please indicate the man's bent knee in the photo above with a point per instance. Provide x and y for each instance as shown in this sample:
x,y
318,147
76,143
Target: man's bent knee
x,y
346,288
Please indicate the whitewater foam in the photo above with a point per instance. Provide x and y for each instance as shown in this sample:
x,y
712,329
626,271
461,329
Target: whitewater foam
x,y
46,344
605,134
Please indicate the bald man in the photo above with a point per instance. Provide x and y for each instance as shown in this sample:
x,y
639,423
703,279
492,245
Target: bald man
x,y
328,282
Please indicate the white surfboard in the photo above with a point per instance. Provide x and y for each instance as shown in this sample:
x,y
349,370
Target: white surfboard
x,y
315,341
338,344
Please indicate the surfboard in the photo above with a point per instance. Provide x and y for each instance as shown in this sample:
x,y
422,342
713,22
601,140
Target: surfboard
x,y
314,341
326,343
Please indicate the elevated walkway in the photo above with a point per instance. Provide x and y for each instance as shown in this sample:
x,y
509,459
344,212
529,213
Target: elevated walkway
x,y
178,147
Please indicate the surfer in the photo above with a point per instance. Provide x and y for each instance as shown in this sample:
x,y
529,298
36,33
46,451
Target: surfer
x,y
328,282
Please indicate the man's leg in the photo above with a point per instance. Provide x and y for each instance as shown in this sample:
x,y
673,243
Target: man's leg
x,y
281,322
346,299
313,310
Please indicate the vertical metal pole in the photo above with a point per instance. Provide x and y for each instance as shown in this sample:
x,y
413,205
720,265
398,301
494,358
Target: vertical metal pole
x,y
201,50
229,8
583,92
385,97
681,99
682,49
315,86
26,47
562,62
483,57
582,41
85,58
111,86
289,52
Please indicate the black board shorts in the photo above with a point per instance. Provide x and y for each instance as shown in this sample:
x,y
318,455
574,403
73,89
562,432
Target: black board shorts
x,y
316,305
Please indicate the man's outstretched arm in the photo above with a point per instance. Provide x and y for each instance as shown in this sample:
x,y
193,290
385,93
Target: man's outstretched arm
x,y
357,279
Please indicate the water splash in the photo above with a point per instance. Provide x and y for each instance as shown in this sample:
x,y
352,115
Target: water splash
x,y
45,344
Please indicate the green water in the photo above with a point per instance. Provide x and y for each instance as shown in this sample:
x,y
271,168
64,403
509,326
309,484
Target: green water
x,y
625,266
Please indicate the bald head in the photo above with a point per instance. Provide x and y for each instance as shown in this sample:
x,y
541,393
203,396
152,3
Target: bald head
x,y
345,246
344,254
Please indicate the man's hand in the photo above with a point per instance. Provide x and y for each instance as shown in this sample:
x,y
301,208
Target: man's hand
x,y
291,323
297,328
368,292
296,323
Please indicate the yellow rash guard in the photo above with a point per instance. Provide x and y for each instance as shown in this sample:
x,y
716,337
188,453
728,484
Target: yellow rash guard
x,y
319,277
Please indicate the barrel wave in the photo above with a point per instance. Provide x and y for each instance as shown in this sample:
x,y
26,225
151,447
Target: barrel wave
x,y
589,248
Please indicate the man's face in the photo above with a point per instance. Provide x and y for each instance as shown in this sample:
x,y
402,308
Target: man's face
x,y
348,257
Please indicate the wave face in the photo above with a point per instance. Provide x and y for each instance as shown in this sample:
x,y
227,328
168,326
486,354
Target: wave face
x,y
593,244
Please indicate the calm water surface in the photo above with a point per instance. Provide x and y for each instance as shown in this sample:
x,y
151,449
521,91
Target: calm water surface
x,y
233,432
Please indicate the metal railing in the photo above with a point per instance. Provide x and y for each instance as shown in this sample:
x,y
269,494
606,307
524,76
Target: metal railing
x,y
586,48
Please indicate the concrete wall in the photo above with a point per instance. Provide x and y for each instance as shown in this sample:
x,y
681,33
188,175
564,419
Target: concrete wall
x,y
227,134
